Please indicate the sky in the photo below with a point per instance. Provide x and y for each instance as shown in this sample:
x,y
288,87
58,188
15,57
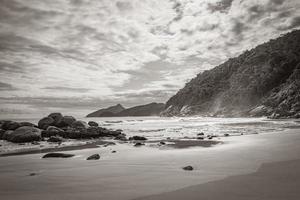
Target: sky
x,y
76,56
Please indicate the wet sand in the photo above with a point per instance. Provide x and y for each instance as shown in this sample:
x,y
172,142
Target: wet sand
x,y
141,172
273,181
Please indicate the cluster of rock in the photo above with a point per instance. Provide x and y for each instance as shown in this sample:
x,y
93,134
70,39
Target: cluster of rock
x,y
55,128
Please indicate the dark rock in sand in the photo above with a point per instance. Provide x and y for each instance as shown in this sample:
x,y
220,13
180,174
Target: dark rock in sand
x,y
92,123
52,131
188,168
114,152
57,117
55,139
66,121
6,135
138,144
33,174
79,124
200,138
137,138
94,157
25,134
10,125
58,155
162,143
200,134
45,122
226,135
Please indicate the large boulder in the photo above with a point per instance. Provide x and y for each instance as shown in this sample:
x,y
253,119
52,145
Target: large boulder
x,y
79,124
6,135
55,139
45,122
75,133
10,125
57,117
52,131
1,133
27,124
92,132
25,134
66,121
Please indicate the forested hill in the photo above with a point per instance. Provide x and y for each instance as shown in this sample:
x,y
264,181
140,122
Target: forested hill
x,y
262,81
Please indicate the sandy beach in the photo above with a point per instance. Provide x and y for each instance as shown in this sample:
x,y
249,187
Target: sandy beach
x,y
141,172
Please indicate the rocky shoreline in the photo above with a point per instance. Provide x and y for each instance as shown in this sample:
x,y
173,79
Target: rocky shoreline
x,y
55,128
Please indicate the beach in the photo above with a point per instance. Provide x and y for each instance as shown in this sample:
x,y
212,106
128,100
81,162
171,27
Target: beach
x,y
149,172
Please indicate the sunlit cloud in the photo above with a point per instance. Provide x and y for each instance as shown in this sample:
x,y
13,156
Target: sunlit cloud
x,y
127,51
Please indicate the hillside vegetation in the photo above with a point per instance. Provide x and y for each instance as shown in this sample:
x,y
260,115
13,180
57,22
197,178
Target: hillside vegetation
x,y
262,81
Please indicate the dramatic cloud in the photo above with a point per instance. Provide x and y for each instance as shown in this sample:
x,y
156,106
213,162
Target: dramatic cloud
x,y
96,53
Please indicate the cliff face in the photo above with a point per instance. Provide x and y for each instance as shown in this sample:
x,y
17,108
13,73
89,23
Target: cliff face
x,y
262,81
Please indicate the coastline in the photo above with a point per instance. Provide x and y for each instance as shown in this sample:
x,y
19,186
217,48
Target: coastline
x,y
133,172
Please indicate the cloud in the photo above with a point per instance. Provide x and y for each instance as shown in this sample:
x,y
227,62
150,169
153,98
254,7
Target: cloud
x,y
110,50
5,86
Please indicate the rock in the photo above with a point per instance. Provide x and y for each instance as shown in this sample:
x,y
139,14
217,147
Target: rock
x,y
94,157
55,139
66,121
74,133
92,132
162,143
188,168
92,123
121,137
211,136
45,122
58,155
57,117
52,131
200,134
138,144
1,133
6,135
33,174
137,138
79,124
10,125
25,134
200,138
27,124
226,135
114,152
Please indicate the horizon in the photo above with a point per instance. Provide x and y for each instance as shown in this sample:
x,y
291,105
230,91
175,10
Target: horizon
x,y
61,55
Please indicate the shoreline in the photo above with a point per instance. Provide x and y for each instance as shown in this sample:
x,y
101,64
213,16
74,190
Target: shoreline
x,y
169,144
140,172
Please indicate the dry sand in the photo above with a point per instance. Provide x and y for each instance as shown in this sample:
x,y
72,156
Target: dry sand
x,y
144,171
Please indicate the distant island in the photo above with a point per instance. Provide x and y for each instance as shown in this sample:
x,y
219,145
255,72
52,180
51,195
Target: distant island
x,y
264,81
151,109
